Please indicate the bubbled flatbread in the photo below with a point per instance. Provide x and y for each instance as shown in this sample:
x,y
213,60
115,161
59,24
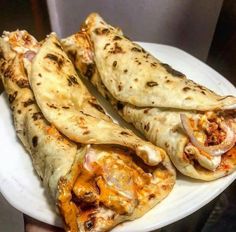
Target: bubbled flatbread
x,y
67,104
134,76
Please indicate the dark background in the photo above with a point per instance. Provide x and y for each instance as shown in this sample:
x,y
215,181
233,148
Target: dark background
x,y
220,214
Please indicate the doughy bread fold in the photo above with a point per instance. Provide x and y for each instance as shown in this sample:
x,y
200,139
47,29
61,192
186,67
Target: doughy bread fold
x,y
153,96
98,182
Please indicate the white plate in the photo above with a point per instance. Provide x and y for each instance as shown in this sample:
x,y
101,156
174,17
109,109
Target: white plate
x,y
22,188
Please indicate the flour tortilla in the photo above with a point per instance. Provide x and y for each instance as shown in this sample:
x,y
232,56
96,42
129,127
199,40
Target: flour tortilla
x,y
60,162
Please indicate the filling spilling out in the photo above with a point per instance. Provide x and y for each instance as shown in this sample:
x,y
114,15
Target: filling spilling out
x,y
212,138
107,187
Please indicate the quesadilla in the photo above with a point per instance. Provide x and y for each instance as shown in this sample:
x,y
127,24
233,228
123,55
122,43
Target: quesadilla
x,y
97,173
193,124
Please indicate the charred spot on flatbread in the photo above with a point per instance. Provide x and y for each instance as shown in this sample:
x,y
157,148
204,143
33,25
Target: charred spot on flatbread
x,y
151,83
117,38
135,49
114,64
35,141
168,81
116,49
96,106
12,97
147,127
58,45
151,196
172,71
146,111
23,83
8,73
153,64
29,102
66,107
52,106
36,116
86,132
106,45
120,87
124,133
72,80
58,60
167,145
185,89
101,31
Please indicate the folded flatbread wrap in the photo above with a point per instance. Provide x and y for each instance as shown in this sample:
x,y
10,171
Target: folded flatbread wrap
x,y
192,123
89,164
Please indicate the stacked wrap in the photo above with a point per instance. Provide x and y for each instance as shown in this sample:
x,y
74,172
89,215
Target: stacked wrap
x,y
97,173
192,123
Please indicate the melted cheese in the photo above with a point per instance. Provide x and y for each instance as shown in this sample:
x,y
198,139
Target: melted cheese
x,y
152,156
210,164
205,160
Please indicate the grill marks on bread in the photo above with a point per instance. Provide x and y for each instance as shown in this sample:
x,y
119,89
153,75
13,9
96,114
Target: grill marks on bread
x,y
72,80
56,59
60,61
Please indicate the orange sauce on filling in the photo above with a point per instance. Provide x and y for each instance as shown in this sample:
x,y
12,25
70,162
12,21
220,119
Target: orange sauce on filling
x,y
67,208
212,132
93,189
228,159
87,190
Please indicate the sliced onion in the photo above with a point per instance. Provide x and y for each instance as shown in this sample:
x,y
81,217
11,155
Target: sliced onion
x,y
115,182
30,55
215,150
89,159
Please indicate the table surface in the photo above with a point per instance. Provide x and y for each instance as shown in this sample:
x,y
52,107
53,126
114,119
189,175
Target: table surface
x,y
11,220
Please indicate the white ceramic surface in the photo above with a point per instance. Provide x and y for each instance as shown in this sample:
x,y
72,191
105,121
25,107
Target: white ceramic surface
x,y
22,188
